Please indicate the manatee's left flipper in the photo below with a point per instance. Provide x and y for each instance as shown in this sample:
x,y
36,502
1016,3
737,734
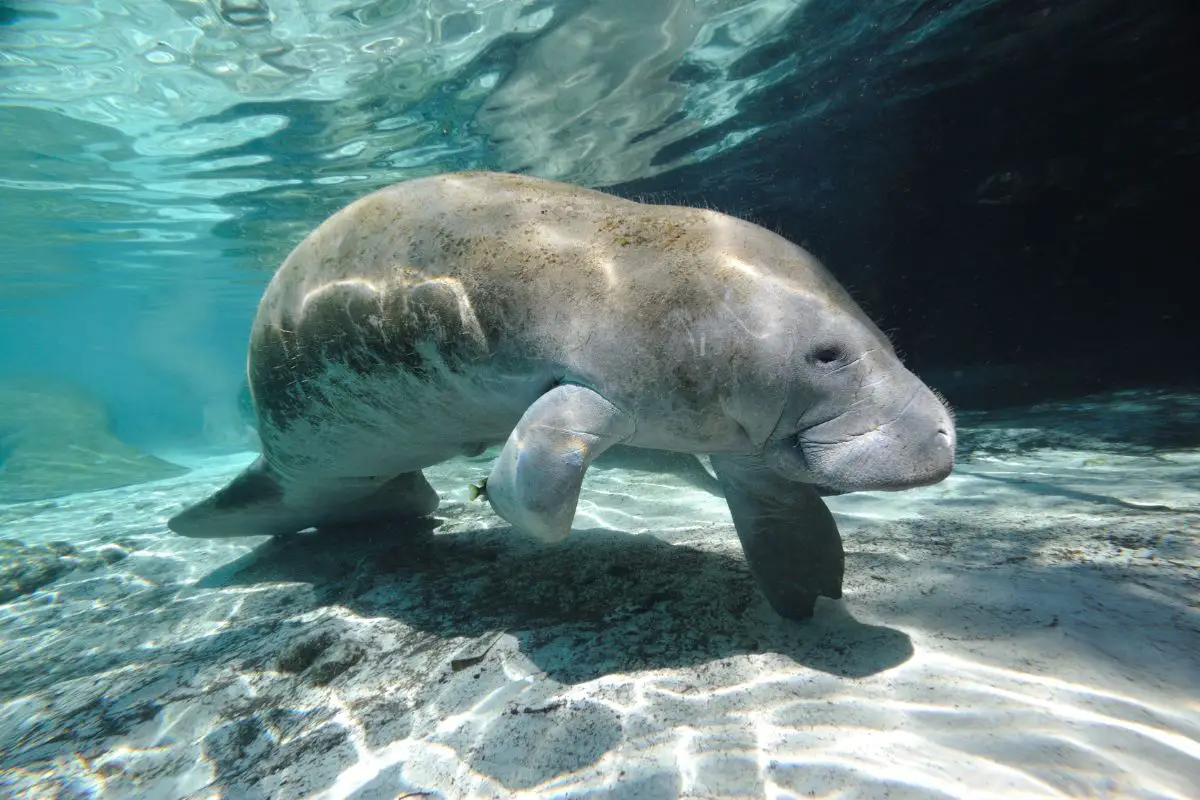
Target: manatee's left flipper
x,y
405,496
694,472
788,535
535,482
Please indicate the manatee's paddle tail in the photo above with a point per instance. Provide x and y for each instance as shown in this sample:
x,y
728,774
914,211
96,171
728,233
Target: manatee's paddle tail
x,y
253,504
250,505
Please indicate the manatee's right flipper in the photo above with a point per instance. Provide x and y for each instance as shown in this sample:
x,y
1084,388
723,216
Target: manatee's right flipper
x,y
405,496
788,535
250,505
692,470
535,482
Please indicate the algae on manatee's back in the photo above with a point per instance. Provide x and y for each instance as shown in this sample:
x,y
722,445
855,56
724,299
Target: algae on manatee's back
x,y
56,440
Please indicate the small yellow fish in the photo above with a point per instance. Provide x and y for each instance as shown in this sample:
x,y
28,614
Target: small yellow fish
x,y
476,491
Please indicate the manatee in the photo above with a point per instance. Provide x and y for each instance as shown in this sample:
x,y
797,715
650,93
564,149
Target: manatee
x,y
444,315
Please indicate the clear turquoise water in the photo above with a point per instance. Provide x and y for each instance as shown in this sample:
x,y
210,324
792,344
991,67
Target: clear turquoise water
x,y
1026,629
160,158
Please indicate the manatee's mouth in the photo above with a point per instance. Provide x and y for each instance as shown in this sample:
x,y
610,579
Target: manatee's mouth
x,y
892,456
815,454
788,458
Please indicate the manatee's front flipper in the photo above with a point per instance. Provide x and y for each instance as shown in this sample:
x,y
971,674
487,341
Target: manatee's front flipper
x,y
790,539
535,482
250,505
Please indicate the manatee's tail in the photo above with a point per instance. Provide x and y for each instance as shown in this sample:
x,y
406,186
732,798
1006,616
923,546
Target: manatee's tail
x,y
250,505
253,505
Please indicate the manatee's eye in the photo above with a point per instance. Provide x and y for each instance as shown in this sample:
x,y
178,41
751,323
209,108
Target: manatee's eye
x,y
827,355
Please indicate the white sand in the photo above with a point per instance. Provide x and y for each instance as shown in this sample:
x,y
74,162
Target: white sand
x,y
1028,628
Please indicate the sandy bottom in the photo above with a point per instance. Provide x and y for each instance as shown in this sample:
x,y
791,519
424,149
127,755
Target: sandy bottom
x,y
1027,628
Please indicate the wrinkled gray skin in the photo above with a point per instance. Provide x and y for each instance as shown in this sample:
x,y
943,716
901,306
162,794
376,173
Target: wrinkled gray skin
x,y
442,315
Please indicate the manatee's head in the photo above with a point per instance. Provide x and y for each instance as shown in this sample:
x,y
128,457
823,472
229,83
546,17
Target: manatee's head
x,y
830,402
857,420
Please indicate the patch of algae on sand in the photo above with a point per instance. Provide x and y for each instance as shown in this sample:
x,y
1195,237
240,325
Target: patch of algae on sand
x,y
55,440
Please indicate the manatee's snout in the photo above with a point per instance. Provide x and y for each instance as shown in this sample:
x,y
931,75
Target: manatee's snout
x,y
928,427
891,441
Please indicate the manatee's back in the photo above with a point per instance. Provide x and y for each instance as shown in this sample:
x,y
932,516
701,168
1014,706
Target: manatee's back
x,y
538,276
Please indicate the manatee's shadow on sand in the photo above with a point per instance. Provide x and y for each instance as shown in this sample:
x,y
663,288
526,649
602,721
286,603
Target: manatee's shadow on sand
x,y
599,603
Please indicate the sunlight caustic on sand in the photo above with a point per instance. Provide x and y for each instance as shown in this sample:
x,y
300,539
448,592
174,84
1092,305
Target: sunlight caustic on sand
x,y
1026,637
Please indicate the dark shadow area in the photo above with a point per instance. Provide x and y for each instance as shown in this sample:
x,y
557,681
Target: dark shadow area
x,y
1008,187
1015,386
642,603
1137,617
1046,488
1131,423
